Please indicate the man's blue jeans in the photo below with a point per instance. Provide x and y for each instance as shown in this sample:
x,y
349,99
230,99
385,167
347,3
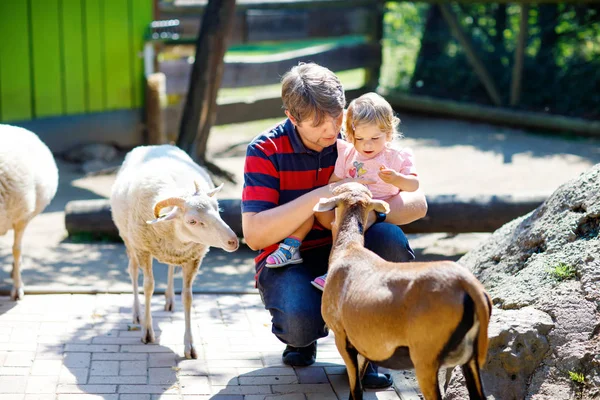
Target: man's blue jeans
x,y
295,305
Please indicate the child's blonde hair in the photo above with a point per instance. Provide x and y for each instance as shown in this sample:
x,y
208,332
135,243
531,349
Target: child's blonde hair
x,y
371,108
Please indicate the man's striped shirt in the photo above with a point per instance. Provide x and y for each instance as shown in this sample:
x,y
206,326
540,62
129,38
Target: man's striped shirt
x,y
279,169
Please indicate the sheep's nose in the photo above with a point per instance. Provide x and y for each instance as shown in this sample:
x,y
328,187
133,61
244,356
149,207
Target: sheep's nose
x,y
232,243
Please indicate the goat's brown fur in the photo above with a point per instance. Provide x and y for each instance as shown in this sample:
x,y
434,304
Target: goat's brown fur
x,y
376,307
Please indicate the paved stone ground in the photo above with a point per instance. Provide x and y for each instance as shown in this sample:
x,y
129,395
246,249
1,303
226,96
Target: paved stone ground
x,y
85,347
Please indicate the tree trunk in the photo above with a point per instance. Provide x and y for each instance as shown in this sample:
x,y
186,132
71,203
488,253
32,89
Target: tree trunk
x,y
205,80
435,38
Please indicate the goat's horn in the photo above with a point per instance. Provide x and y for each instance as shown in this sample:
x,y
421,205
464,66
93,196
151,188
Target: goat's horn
x,y
172,201
197,186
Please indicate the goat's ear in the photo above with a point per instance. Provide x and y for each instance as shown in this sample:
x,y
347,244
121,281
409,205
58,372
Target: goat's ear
x,y
381,206
326,204
216,190
165,217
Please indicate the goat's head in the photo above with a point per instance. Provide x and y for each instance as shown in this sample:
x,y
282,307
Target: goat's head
x,y
350,197
196,219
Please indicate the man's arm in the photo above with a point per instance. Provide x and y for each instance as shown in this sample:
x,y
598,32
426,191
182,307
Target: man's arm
x,y
407,207
264,228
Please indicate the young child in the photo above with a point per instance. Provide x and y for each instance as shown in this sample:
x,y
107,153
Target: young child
x,y
370,127
368,153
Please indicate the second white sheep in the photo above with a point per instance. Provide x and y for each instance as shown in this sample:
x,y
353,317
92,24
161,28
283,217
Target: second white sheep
x,y
164,207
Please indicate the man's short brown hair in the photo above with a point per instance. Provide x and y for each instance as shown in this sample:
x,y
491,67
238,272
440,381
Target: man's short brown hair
x,y
312,91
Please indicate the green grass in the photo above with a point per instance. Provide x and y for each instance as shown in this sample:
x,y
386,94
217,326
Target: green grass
x,y
563,272
577,377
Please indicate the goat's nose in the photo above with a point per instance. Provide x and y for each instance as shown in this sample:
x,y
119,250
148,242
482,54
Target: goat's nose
x,y
232,243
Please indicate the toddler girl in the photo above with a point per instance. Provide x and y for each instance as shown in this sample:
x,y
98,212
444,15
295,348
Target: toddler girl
x,y
370,128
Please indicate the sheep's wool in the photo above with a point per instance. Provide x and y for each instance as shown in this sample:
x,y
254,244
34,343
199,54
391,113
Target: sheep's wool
x,y
28,176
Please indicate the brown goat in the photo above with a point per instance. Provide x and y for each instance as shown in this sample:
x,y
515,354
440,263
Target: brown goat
x,y
399,315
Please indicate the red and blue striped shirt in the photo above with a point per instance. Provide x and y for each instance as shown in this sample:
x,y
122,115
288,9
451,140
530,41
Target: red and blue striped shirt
x,y
279,169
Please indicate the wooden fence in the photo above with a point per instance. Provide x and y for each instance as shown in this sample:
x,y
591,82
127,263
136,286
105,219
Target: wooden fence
x,y
67,57
355,25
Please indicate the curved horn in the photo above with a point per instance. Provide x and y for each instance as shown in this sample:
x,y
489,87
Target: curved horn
x,y
197,186
170,202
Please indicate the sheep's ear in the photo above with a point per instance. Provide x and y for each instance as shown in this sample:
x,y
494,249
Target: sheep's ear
x,y
165,217
380,206
216,190
325,204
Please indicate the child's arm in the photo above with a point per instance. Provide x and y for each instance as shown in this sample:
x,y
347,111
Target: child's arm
x,y
334,178
406,183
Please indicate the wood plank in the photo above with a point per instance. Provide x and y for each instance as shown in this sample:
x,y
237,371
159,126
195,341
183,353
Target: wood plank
x,y
254,26
15,62
494,115
472,57
446,213
195,6
73,56
48,83
141,16
118,55
258,71
517,72
94,56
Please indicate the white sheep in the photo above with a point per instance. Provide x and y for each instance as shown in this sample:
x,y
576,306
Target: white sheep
x,y
28,183
164,207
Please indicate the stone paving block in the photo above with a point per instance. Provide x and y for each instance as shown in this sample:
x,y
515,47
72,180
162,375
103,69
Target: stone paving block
x,y
83,389
41,384
144,348
119,356
49,351
312,375
175,397
164,360
15,371
77,360
110,368
289,396
270,371
133,367
19,359
267,380
91,348
194,385
13,384
161,375
12,396
149,389
118,380
303,388
46,367
73,375
22,347
324,396
135,397
40,396
81,396
241,390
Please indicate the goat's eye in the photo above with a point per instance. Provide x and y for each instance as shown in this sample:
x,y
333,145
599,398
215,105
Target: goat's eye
x,y
192,222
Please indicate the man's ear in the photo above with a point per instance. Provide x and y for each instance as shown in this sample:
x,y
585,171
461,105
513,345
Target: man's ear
x,y
289,115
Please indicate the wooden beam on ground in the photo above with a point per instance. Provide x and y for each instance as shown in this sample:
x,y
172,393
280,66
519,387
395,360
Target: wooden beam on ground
x,y
517,72
474,60
499,116
451,213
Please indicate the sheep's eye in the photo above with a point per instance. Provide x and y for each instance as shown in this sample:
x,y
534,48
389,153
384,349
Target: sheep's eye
x,y
192,222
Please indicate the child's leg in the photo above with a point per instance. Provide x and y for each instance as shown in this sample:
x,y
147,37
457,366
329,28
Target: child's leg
x,y
288,251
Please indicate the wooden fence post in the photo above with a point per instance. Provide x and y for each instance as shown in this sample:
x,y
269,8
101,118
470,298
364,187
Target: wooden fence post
x,y
156,104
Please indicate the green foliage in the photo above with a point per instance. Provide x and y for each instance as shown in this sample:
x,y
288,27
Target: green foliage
x,y
577,377
93,237
563,272
561,72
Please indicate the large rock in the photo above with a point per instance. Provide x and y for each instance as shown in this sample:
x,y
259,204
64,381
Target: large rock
x,y
543,273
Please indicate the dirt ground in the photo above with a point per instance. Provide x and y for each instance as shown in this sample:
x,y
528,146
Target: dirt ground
x,y
453,157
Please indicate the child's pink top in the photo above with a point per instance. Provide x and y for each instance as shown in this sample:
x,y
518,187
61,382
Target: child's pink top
x,y
351,164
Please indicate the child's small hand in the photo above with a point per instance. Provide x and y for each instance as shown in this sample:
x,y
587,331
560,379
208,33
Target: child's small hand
x,y
387,175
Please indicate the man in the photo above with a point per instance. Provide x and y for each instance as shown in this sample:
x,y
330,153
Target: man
x,y
286,172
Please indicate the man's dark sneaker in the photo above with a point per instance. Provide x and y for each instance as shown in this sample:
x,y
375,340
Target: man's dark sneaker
x,y
300,356
373,380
